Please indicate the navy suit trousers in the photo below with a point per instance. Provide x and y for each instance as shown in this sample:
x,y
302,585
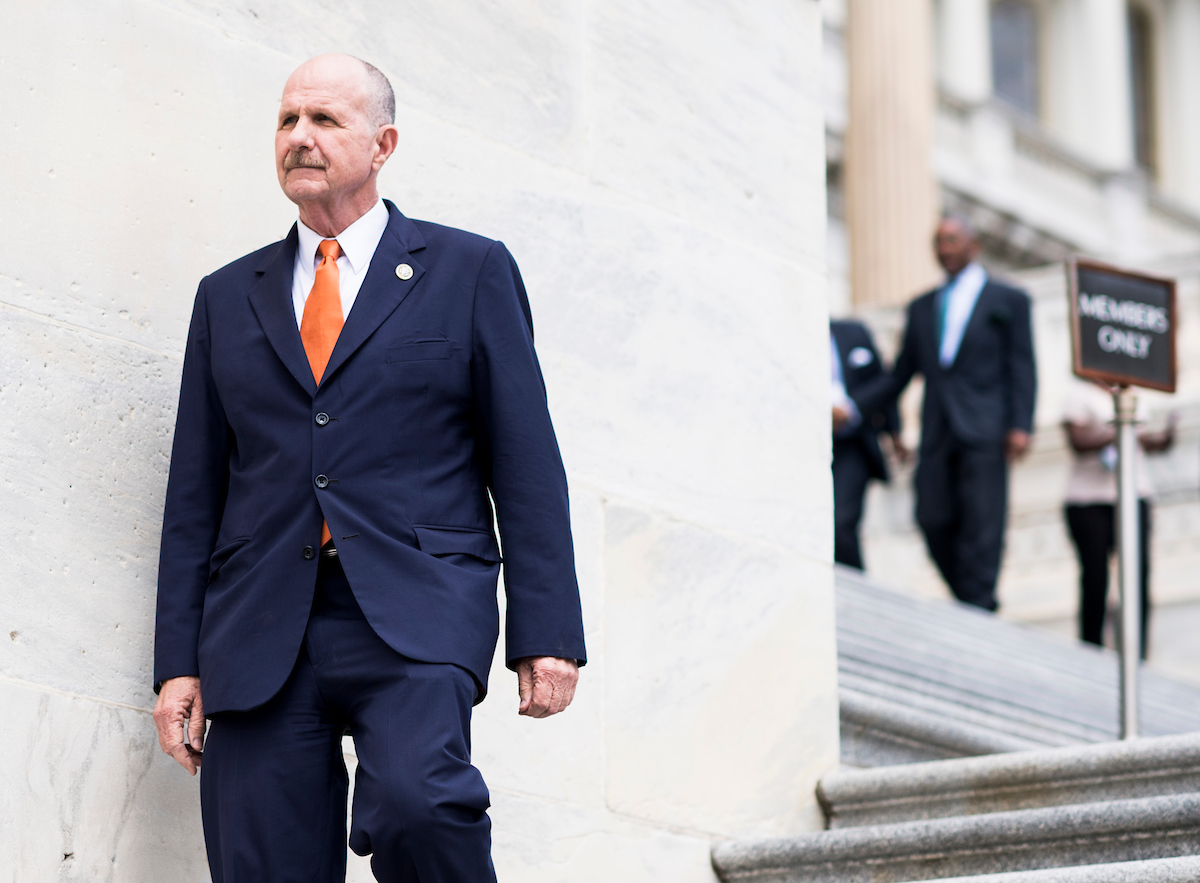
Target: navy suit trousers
x,y
851,472
962,509
274,785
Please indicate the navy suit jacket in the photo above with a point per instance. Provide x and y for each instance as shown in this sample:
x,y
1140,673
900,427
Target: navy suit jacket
x,y
990,387
432,406
858,372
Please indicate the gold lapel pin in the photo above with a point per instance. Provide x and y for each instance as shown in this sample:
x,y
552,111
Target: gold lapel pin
x,y
404,272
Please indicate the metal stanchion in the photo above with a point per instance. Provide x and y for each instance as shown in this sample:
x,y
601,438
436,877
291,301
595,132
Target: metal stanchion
x,y
1125,405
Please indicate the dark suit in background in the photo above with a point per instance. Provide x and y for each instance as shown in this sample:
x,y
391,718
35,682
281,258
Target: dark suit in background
x,y
969,408
857,457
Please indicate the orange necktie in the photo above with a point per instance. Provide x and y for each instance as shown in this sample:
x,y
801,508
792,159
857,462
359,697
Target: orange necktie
x,y
322,321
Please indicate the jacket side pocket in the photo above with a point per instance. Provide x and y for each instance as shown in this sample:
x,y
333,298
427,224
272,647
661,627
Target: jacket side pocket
x,y
223,553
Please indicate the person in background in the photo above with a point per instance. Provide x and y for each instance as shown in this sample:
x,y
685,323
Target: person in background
x,y
972,341
857,457
1091,500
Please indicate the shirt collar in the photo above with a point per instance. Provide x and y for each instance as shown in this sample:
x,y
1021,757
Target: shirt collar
x,y
971,276
357,242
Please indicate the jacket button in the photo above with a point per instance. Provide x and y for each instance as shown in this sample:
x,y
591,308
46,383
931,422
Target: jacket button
x,y
322,419
322,481
309,553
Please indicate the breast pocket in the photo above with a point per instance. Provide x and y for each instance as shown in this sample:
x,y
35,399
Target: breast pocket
x,y
421,351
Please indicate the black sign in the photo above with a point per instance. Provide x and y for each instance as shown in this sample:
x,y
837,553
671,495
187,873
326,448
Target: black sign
x,y
1122,326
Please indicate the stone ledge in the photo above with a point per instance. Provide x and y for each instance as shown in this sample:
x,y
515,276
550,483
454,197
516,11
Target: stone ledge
x,y
1022,780
875,731
1057,837
1163,870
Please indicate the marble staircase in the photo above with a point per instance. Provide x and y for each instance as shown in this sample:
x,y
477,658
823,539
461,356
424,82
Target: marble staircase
x,y
926,680
1127,808
985,753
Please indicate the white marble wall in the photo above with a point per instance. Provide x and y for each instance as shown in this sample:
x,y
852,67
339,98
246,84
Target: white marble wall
x,y
658,170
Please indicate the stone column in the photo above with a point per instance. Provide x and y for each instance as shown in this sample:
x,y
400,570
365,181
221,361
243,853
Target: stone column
x,y
1180,110
1106,133
964,49
891,193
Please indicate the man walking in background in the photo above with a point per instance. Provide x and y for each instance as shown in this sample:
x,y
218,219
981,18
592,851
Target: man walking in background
x,y
353,399
857,457
972,341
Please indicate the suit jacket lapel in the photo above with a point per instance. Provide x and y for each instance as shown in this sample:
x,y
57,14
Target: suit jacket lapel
x,y
271,300
928,326
382,291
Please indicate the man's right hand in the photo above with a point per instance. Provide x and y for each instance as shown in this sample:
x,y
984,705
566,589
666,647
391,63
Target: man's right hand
x,y
179,717
1016,444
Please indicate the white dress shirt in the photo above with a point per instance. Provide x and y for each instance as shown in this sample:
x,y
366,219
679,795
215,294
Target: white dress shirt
x,y
357,242
1093,477
841,399
961,294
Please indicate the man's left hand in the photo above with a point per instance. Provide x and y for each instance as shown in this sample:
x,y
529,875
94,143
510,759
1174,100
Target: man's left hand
x,y
546,684
1016,444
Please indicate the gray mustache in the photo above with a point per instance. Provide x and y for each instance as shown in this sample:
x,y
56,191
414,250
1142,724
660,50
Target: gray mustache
x,y
302,161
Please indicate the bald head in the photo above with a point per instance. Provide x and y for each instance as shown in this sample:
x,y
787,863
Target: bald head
x,y
360,82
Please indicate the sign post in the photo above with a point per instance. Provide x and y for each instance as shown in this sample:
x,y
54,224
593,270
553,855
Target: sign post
x,y
1128,559
1122,335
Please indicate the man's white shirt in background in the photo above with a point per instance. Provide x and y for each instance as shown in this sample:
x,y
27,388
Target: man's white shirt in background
x,y
841,399
961,295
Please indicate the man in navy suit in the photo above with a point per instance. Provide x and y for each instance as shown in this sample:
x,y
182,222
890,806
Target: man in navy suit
x,y
972,341
857,457
354,399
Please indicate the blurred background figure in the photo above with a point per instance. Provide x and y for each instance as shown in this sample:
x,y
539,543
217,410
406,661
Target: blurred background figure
x,y
1092,495
1055,128
857,457
971,340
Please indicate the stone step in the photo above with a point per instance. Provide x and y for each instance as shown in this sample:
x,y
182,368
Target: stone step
x,y
956,665
1082,774
931,699
893,621
966,846
1028,699
879,733
976,656
1162,870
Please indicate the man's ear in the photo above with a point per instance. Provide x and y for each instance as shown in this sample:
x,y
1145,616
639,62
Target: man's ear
x,y
386,140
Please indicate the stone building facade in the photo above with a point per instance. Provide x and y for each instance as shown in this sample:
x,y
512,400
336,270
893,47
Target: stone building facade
x,y
1060,127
